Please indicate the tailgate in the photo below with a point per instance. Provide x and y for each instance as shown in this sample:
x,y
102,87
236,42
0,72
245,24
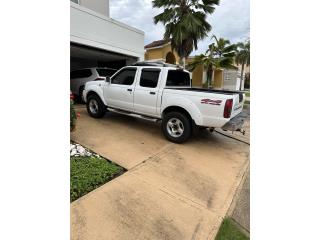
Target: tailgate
x,y
238,102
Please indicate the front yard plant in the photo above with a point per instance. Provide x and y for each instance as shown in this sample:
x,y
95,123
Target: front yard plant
x,y
229,230
73,114
90,172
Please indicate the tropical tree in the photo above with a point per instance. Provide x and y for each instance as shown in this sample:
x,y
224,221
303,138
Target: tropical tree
x,y
185,23
220,54
243,57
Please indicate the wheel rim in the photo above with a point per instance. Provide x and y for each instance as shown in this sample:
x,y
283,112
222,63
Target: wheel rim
x,y
175,127
93,106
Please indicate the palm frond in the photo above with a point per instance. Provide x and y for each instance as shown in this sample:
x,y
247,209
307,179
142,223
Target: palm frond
x,y
185,22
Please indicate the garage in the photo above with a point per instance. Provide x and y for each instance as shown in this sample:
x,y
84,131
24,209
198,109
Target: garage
x,y
99,42
82,56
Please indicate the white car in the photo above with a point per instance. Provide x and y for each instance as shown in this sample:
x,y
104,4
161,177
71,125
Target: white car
x,y
78,78
159,91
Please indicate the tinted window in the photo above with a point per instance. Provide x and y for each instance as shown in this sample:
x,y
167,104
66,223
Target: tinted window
x,y
149,78
178,78
125,77
105,72
81,73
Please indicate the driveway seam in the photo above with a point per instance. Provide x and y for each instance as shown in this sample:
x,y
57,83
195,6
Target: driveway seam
x,y
162,150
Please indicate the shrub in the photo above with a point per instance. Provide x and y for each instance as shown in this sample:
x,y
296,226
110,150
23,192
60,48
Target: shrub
x,y
73,115
88,173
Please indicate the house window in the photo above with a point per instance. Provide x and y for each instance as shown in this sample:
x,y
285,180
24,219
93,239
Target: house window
x,y
227,76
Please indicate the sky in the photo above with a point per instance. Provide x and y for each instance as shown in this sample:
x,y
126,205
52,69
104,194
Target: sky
x,y
230,20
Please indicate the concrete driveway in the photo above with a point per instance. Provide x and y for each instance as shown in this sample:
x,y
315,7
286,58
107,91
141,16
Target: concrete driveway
x,y
169,192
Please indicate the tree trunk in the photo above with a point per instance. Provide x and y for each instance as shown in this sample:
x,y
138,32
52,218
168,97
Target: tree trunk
x,y
241,76
184,62
180,61
209,76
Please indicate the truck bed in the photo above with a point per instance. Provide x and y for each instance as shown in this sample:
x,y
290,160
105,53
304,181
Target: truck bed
x,y
206,90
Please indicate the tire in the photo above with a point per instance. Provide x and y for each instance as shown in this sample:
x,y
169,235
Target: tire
x,y
176,127
95,106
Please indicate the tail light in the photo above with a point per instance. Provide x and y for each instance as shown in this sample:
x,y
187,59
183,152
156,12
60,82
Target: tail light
x,y
228,108
240,97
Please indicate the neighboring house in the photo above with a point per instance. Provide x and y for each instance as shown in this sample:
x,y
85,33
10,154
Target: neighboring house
x,y
221,79
246,70
98,40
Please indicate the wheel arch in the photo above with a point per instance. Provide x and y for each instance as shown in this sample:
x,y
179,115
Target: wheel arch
x,y
176,109
187,108
96,92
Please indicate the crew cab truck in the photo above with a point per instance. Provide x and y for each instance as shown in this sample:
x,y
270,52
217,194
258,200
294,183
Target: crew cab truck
x,y
160,91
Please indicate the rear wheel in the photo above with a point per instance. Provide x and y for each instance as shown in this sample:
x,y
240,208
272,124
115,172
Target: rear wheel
x,y
95,106
176,127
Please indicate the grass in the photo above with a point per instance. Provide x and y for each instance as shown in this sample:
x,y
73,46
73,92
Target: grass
x,y
247,94
88,173
246,102
229,230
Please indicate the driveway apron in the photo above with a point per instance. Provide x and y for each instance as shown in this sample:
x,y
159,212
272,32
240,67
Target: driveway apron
x,y
170,191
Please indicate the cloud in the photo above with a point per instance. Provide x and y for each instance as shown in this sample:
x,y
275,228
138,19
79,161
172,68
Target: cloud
x,y
138,14
230,20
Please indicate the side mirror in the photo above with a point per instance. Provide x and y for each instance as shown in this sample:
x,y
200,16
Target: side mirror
x,y
108,79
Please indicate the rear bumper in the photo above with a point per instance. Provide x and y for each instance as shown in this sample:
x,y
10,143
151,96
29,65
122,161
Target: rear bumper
x,y
236,123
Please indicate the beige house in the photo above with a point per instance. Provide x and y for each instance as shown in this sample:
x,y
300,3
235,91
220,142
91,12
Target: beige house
x,y
221,79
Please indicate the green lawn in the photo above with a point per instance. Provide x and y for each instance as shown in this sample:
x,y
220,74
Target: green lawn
x,y
88,173
230,231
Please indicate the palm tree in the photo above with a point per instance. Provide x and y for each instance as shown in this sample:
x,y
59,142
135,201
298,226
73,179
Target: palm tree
x,y
220,54
243,57
185,23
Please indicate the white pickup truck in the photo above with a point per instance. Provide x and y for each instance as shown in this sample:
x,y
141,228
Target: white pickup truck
x,y
160,91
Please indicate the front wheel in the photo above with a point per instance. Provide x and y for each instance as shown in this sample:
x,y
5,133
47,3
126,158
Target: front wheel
x,y
95,106
176,127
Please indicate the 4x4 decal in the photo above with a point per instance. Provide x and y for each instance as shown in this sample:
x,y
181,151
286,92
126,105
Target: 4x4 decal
x,y
210,101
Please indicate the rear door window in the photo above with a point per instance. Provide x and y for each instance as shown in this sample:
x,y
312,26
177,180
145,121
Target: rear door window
x,y
178,78
124,77
149,78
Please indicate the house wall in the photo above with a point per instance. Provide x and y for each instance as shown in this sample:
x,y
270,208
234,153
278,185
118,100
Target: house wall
x,y
218,79
231,80
160,53
154,54
90,28
197,76
99,6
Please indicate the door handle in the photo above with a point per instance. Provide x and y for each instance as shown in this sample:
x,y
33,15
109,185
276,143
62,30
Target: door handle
x,y
129,90
152,93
